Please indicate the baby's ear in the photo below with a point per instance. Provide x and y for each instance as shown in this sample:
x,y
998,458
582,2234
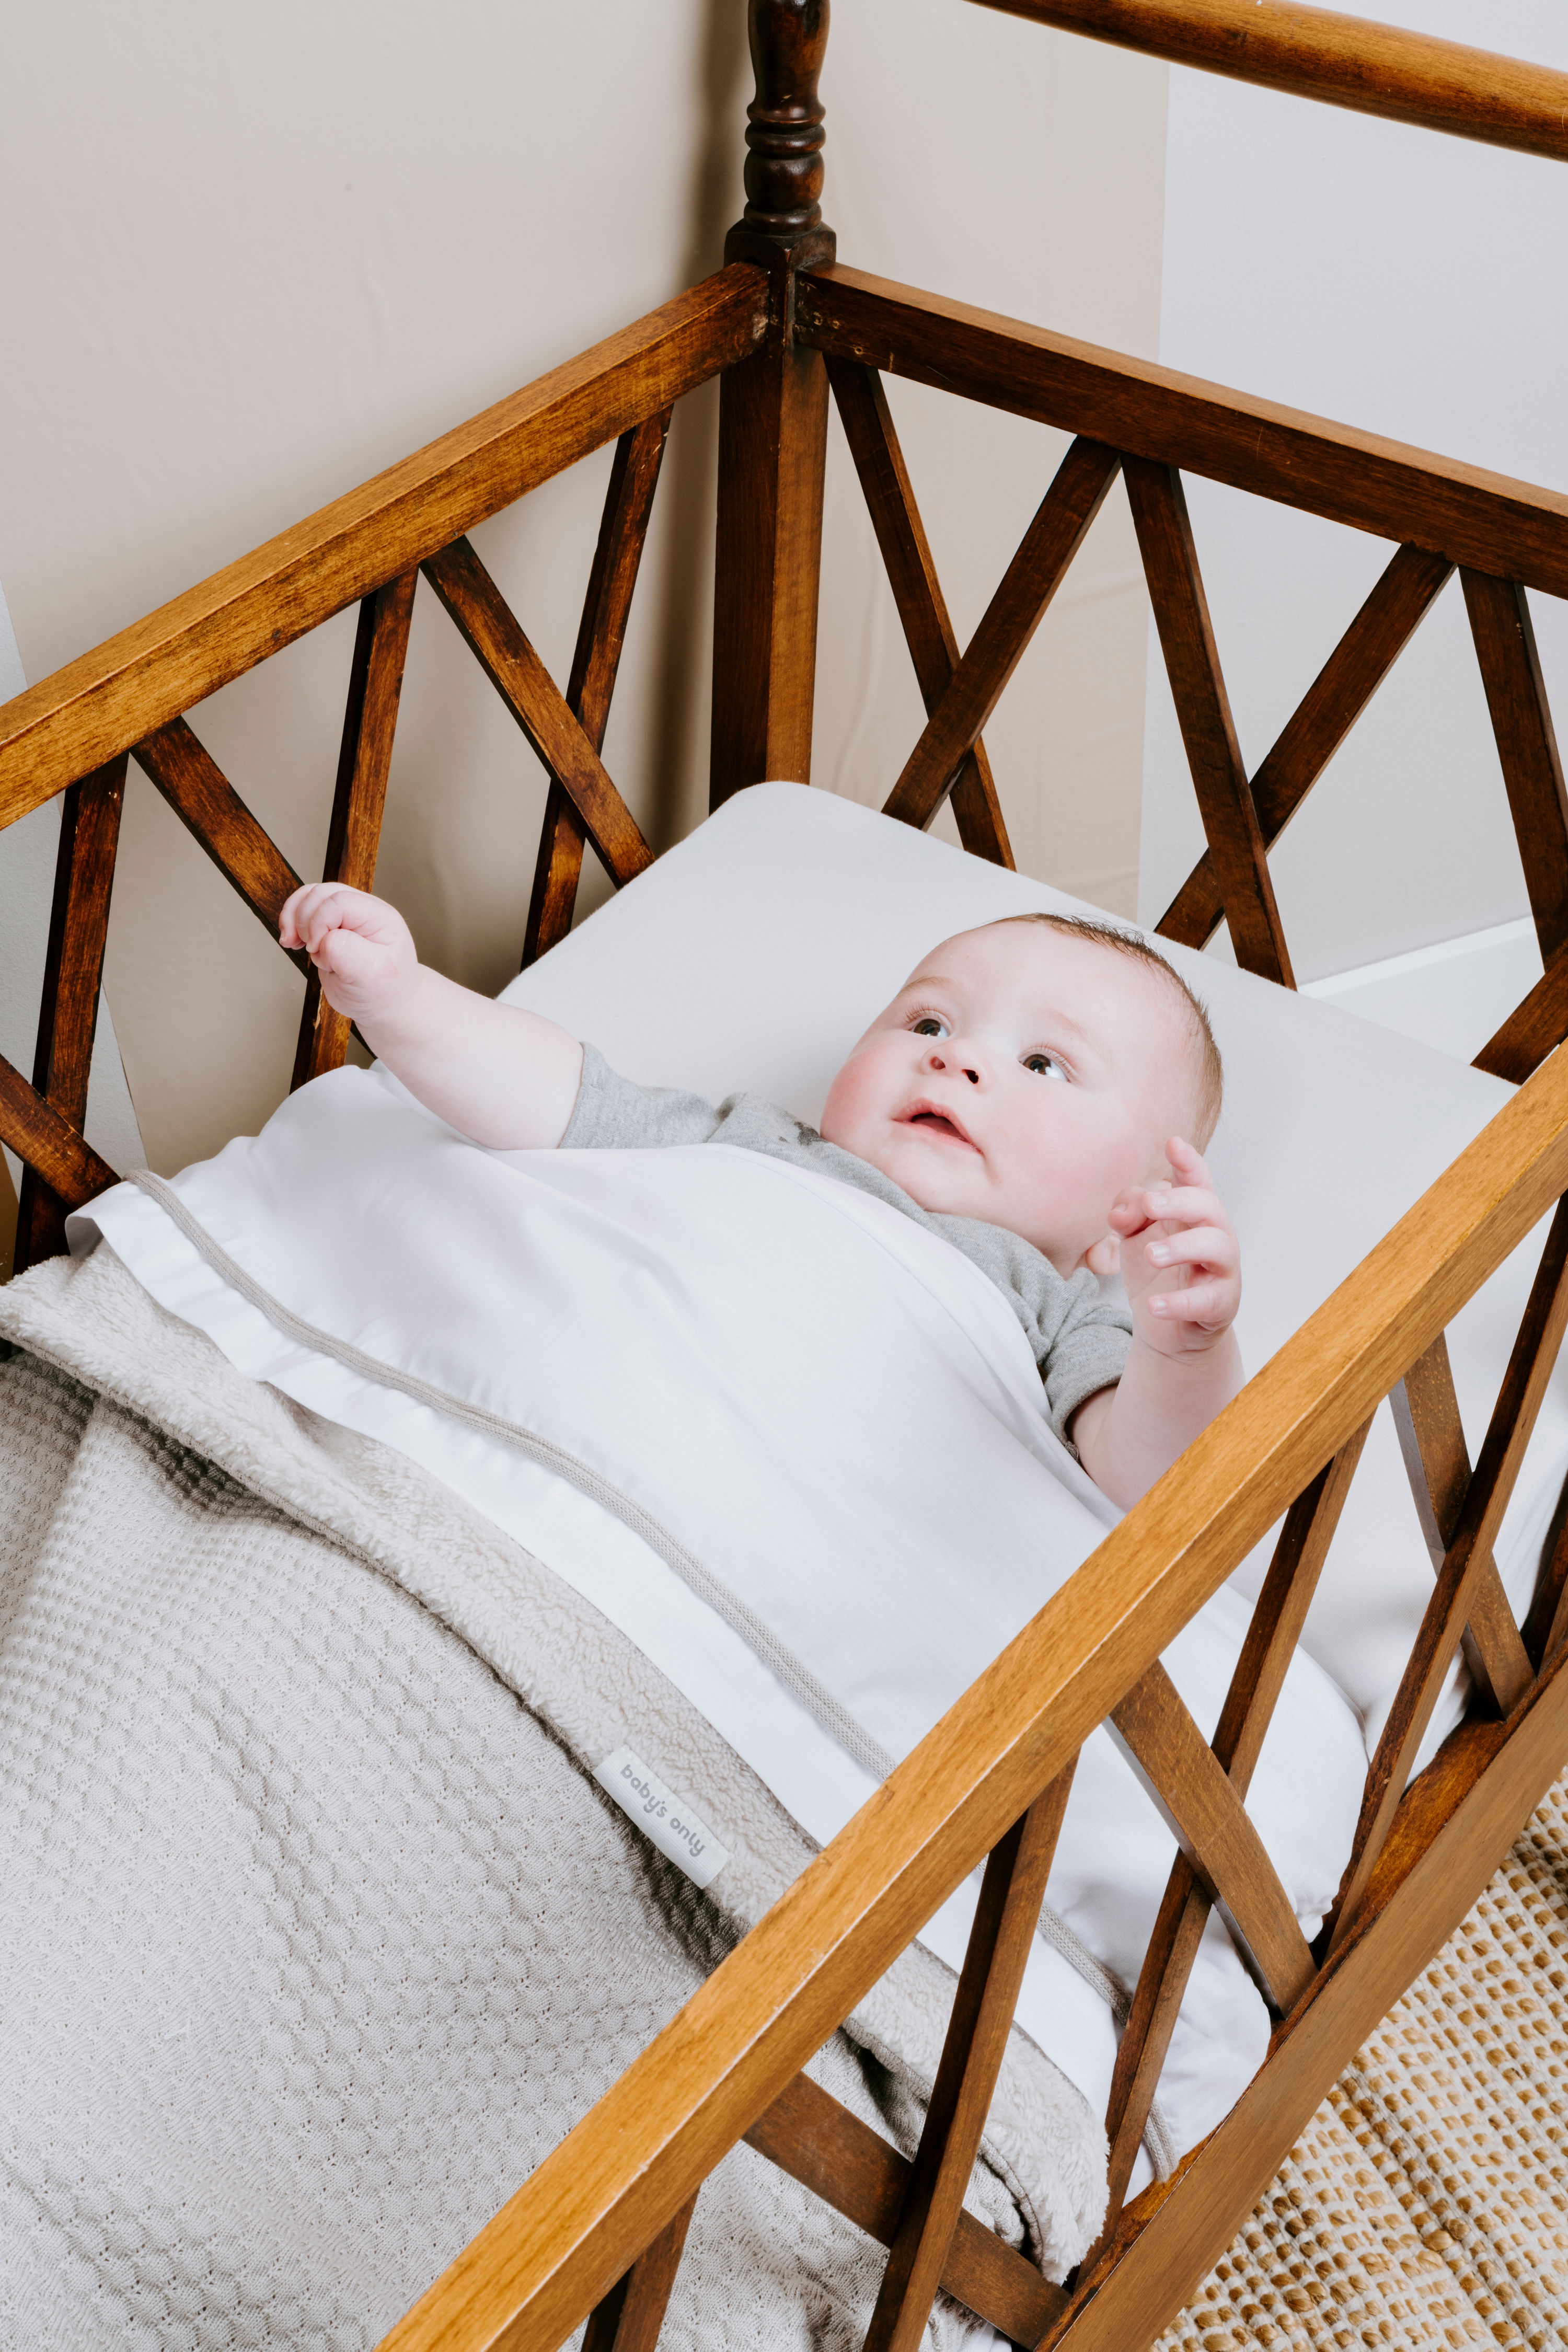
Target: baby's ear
x,y
1104,1256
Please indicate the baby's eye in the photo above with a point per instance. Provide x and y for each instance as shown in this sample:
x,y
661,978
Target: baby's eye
x,y
1043,1066
928,1025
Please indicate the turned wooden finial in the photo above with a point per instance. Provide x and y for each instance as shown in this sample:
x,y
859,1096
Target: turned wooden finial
x,y
784,138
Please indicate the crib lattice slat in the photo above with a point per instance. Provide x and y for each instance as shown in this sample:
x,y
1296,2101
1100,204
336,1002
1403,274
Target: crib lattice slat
x,y
358,800
911,574
1192,1790
818,2142
630,2316
490,630
1277,1621
1010,620
606,607
73,975
1535,1028
1000,1943
1400,600
1203,709
1504,637
1458,1580
37,1134
1432,1440
211,810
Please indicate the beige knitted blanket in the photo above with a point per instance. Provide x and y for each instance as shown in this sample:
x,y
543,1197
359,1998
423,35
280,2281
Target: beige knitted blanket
x,y
316,1933
1426,2207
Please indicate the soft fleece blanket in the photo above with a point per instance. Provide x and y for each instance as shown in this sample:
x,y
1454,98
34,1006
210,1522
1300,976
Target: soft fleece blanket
x,y
318,1932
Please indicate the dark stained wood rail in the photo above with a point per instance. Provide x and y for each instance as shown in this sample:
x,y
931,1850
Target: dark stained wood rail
x,y
164,665
1489,521
1343,60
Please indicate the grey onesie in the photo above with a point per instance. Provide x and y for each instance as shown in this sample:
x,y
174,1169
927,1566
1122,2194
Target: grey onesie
x,y
1080,1339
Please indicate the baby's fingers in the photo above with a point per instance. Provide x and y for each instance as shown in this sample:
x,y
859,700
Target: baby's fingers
x,y
1186,1204
1212,1303
1209,1246
1190,1166
288,932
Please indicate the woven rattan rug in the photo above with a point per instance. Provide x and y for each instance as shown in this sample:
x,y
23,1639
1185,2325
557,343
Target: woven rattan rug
x,y
1427,2202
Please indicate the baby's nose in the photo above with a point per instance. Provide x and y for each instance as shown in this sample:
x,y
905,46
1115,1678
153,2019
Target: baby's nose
x,y
951,1061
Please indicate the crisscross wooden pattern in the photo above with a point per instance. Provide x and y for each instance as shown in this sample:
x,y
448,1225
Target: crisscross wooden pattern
x,y
172,659
1000,1942
1275,1628
1460,1577
1203,711
359,799
1401,599
213,813
73,975
1437,1462
808,2133
606,607
1013,614
1191,1788
491,632
911,574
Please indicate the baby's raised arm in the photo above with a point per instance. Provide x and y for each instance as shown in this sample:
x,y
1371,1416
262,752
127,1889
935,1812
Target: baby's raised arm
x,y
1181,1264
505,1076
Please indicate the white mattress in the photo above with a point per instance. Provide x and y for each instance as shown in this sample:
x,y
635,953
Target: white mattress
x,y
764,943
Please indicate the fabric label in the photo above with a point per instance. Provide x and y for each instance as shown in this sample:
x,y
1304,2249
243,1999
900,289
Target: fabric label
x,y
662,1816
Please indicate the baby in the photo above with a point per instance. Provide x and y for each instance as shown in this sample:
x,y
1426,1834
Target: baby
x,y
1037,1093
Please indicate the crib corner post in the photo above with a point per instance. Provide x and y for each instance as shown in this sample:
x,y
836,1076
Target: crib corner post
x,y
773,428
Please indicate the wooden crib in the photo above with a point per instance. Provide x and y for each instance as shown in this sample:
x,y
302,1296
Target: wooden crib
x,y
597,2232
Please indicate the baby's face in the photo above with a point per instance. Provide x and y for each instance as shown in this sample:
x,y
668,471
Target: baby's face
x,y
1022,1077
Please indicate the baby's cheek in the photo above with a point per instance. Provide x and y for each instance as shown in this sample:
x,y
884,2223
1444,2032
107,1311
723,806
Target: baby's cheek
x,y
853,1102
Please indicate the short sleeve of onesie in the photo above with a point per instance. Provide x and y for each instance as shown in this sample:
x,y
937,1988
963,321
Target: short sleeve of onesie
x,y
1080,1337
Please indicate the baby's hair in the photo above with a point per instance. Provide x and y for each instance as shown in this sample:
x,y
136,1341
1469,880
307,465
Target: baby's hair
x,y
1210,1070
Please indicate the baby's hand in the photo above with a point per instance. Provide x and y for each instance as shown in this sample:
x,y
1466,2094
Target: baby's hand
x,y
362,947
1177,1230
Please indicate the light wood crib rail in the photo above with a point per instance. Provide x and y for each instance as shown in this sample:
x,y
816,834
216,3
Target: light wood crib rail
x,y
597,2229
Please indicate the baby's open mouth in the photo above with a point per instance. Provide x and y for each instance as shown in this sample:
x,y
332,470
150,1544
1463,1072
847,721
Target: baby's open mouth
x,y
934,1121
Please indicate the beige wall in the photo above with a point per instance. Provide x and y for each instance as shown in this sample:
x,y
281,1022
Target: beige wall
x,y
255,254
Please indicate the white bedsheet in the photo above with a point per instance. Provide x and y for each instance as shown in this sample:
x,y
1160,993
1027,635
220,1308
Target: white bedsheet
x,y
767,1380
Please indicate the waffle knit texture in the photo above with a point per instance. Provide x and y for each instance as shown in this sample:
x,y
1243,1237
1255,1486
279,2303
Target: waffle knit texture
x,y
317,1934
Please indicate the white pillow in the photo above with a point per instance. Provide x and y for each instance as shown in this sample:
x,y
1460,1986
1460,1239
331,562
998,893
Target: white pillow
x,y
755,954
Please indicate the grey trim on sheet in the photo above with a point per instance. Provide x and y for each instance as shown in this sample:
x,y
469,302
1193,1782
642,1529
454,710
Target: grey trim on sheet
x,y
797,1678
